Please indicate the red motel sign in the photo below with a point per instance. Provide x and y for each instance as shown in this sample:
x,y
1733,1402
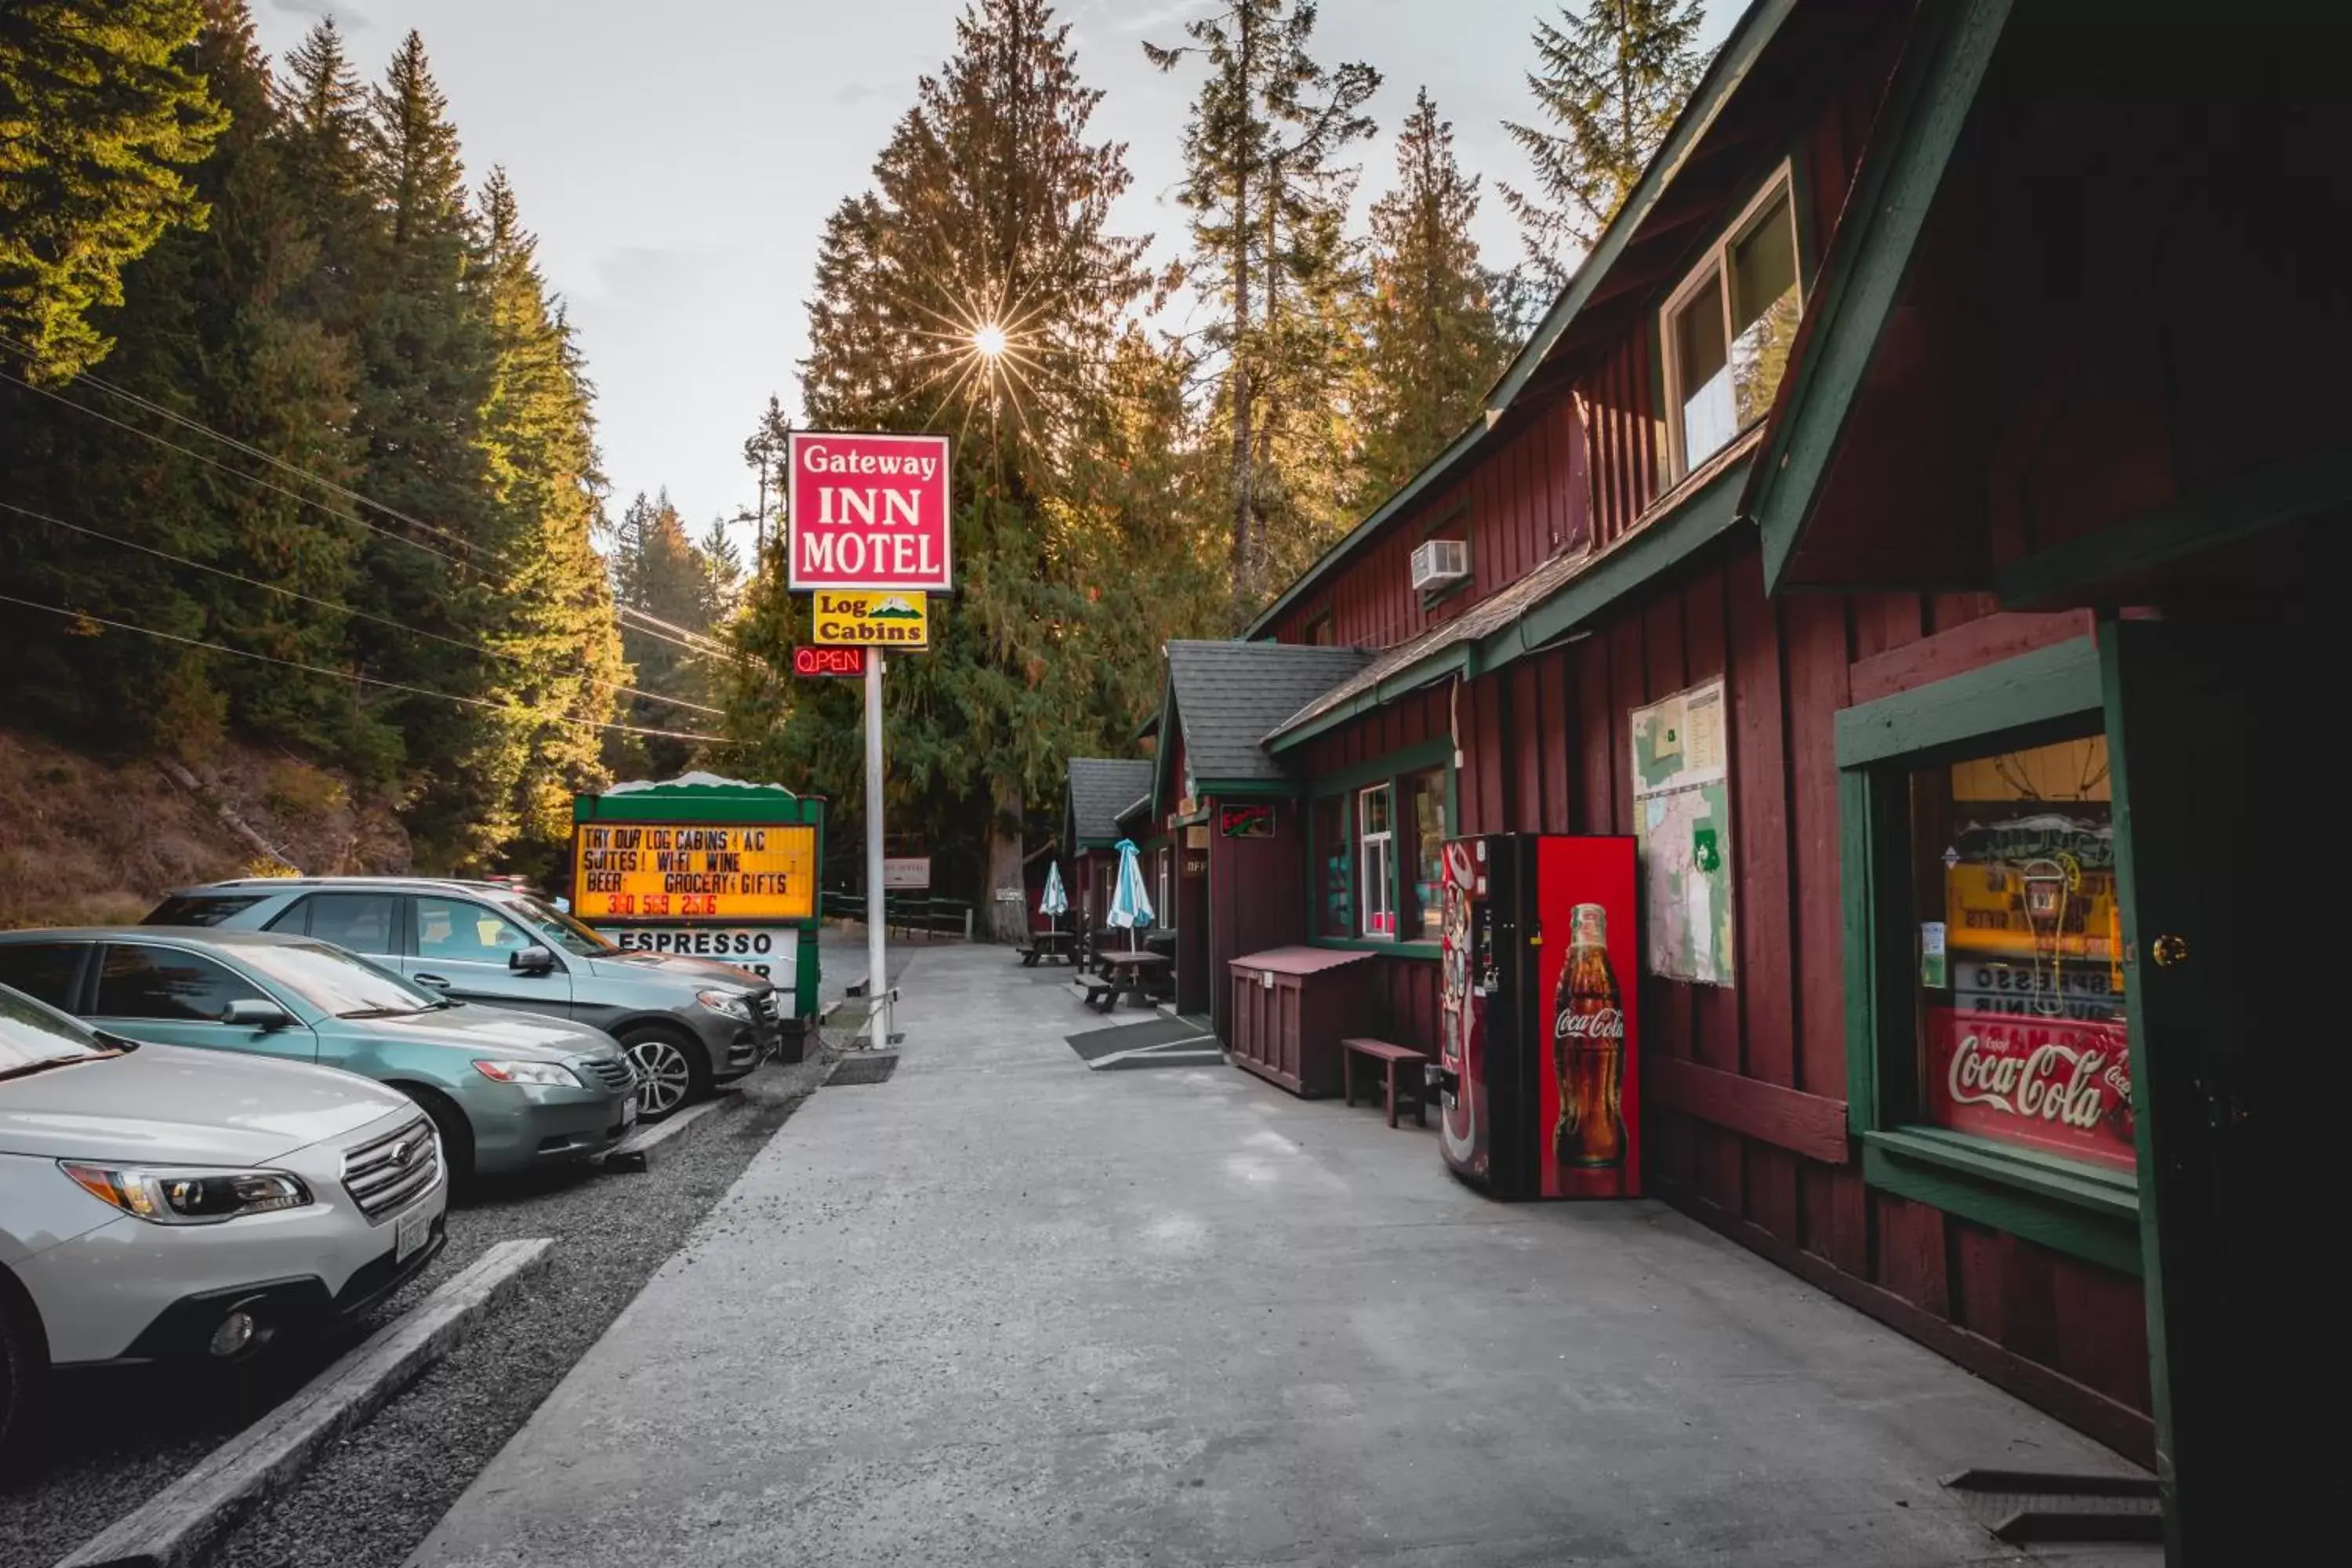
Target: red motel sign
x,y
850,662
869,511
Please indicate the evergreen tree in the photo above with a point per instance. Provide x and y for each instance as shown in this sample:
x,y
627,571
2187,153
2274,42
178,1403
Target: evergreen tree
x,y
551,621
101,109
1269,204
1610,83
1433,342
722,574
427,362
991,208
657,569
212,330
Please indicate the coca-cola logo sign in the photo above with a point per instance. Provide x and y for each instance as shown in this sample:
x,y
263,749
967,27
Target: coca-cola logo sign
x,y
1600,1024
2059,1084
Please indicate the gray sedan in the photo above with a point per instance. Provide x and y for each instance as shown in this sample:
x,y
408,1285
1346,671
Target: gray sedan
x,y
508,1090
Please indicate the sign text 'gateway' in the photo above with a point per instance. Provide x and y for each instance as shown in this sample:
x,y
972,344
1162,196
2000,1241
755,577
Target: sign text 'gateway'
x,y
869,511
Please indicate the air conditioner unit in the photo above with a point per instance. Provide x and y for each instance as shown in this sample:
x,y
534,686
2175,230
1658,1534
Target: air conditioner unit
x,y
1438,562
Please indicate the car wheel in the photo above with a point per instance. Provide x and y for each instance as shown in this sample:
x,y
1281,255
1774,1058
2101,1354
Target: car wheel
x,y
457,1132
669,1071
24,1369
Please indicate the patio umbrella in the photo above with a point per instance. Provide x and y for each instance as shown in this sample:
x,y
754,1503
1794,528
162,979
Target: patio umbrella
x,y
1130,906
1053,903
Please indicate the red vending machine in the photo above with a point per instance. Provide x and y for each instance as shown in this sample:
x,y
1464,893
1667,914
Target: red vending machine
x,y
1539,1075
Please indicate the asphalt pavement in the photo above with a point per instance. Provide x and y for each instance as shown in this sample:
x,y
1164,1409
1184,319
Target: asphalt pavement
x,y
1044,1315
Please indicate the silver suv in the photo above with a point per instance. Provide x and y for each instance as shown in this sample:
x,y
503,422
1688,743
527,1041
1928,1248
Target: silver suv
x,y
687,1023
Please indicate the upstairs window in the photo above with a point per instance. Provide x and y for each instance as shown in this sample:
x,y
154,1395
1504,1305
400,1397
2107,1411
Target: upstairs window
x,y
1728,330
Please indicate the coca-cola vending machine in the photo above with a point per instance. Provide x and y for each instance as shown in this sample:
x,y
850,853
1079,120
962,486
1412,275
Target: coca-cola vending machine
x,y
1539,1076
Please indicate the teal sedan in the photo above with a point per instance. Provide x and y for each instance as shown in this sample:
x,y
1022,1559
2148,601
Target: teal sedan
x,y
508,1091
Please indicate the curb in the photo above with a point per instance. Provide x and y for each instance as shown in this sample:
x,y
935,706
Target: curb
x,y
649,1138
180,1524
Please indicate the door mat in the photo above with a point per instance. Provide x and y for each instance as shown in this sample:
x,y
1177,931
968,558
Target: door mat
x,y
865,1067
2026,1507
1152,1043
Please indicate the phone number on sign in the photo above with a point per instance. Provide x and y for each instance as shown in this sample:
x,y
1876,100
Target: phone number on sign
x,y
682,904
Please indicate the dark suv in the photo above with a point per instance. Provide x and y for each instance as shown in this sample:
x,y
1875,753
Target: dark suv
x,y
687,1023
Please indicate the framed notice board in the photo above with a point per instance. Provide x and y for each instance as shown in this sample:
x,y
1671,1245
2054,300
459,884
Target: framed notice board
x,y
706,868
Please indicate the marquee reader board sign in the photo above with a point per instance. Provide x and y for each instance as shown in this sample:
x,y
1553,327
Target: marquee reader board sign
x,y
869,510
898,622
704,866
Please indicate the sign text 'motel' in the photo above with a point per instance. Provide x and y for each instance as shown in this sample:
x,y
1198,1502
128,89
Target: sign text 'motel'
x,y
869,511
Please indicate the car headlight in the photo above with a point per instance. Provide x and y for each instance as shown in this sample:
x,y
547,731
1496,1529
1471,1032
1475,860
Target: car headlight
x,y
168,1196
732,1004
551,1075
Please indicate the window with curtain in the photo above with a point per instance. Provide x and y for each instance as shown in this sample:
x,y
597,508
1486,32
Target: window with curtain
x,y
1728,330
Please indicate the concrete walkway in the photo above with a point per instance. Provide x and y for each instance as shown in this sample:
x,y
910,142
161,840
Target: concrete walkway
x,y
1002,1310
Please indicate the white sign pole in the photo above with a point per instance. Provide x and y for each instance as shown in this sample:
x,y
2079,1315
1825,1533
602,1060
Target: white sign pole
x,y
877,979
877,986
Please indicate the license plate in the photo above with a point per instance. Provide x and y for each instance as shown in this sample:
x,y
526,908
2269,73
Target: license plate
x,y
409,1233
629,1109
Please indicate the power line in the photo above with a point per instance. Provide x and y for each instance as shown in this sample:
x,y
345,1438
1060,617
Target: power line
x,y
506,707
346,609
705,645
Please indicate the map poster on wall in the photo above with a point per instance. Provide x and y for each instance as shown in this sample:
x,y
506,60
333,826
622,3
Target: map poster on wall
x,y
1682,818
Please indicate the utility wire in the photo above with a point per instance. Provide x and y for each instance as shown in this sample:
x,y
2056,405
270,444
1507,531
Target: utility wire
x,y
344,609
705,645
509,708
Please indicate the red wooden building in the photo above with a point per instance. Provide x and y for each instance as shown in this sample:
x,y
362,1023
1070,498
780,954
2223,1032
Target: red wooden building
x,y
1954,407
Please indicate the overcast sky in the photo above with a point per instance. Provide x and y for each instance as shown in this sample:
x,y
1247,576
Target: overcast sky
x,y
677,160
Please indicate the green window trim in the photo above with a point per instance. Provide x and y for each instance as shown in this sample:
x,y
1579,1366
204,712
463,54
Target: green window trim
x,y
2063,1204
1392,770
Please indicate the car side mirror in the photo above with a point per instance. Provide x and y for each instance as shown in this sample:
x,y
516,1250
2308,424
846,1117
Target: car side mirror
x,y
531,961
252,1012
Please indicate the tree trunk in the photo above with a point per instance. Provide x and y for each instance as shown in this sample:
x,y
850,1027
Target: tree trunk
x,y
1003,920
1243,589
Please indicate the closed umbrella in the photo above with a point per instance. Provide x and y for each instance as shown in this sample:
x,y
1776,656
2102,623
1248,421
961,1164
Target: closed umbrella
x,y
1053,903
1130,906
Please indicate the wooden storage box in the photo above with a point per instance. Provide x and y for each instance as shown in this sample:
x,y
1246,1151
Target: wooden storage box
x,y
1292,1007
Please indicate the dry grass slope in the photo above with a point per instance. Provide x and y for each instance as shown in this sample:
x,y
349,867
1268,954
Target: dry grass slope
x,y
87,841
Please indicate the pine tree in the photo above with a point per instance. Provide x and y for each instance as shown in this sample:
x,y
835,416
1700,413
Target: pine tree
x,y
552,621
1434,343
657,569
1269,203
990,207
101,109
1610,82
212,330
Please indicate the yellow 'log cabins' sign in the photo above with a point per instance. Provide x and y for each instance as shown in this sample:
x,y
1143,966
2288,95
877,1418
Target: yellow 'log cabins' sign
x,y
696,871
883,620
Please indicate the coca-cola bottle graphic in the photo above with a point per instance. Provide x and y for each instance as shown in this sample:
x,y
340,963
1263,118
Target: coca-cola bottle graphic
x,y
1588,1049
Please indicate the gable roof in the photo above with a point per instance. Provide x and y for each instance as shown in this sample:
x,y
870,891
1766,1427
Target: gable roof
x,y
1230,695
1718,87
1100,789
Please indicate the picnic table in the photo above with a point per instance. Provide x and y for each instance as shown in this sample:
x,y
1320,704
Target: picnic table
x,y
1047,944
1133,974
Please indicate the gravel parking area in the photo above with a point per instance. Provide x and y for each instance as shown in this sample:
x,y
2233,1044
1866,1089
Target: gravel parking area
x,y
118,1436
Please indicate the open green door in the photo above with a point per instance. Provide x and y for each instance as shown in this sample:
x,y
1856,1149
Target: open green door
x,y
2225,797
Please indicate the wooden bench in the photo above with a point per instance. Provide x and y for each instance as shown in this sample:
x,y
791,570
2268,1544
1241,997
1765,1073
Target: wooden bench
x,y
1043,945
1390,1056
1102,995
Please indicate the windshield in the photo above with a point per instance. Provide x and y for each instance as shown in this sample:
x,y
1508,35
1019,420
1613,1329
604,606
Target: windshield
x,y
32,1036
558,927
336,981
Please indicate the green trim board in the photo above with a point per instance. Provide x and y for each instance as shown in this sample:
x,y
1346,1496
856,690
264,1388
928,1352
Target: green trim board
x,y
1428,950
2060,1203
1456,659
2282,494
2061,681
1408,760
1726,71
1927,103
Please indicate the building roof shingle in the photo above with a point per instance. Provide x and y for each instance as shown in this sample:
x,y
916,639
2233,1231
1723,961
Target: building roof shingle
x,y
1100,789
1229,695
